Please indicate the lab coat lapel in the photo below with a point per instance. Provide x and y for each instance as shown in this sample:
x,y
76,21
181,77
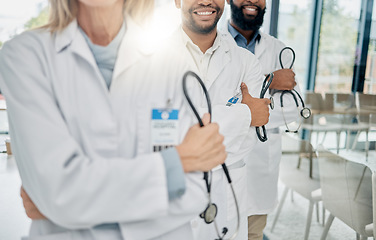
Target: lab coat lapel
x,y
260,47
221,57
72,38
180,45
130,51
190,61
81,48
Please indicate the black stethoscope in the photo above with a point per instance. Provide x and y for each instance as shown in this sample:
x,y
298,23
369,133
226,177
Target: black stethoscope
x,y
265,86
211,210
305,112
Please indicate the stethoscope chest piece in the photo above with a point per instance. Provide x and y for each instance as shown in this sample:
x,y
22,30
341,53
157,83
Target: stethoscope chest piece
x,y
210,213
306,113
211,210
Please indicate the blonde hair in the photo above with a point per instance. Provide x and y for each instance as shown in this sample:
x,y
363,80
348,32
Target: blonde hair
x,y
63,12
139,10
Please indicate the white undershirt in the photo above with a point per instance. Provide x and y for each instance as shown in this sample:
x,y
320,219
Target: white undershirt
x,y
202,60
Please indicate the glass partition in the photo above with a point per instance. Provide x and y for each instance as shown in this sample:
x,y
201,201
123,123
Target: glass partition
x,y
294,30
338,39
370,81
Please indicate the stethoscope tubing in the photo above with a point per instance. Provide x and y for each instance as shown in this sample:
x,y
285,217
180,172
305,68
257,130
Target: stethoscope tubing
x,y
193,74
263,137
224,167
293,57
292,91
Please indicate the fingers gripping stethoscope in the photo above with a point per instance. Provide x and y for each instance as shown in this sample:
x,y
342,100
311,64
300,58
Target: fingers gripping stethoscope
x,y
265,86
305,112
210,212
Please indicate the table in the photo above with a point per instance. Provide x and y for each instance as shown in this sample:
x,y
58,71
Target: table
x,y
360,157
340,124
349,181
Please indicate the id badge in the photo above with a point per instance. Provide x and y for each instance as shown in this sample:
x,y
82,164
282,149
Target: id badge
x,y
164,128
233,100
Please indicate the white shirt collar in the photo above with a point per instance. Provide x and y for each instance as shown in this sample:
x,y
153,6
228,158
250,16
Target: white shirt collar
x,y
188,42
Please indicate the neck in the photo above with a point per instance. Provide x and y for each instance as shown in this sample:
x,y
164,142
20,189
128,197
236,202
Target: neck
x,y
248,34
203,41
101,24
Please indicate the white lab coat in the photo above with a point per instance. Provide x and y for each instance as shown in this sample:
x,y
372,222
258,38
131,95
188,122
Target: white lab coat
x,y
263,161
229,66
82,150
264,158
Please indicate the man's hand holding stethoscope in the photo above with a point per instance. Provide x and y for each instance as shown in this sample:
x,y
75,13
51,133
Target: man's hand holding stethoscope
x,y
284,79
259,107
304,112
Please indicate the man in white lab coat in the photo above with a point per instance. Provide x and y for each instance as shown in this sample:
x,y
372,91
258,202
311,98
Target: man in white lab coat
x,y
223,67
263,161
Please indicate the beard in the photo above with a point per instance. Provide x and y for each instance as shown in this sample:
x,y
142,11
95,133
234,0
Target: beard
x,y
195,27
245,23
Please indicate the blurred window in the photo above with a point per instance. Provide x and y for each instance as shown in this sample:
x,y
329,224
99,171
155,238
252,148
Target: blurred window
x,y
338,40
370,83
19,15
294,26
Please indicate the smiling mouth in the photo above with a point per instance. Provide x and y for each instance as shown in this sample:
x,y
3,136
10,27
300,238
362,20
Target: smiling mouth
x,y
251,10
204,13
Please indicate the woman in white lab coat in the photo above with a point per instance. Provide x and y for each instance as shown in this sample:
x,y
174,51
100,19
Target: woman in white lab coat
x,y
83,149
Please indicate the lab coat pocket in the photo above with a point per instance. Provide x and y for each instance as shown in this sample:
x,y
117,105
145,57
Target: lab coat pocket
x,y
239,182
55,236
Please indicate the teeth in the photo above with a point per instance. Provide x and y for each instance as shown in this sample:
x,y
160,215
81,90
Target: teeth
x,y
204,13
250,9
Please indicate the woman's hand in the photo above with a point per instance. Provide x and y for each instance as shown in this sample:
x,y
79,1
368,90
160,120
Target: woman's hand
x,y
30,208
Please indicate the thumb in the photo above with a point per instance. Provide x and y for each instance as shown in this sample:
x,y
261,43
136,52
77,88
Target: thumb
x,y
244,88
206,119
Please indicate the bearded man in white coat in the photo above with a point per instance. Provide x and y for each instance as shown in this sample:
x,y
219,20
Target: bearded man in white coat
x,y
263,160
226,70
